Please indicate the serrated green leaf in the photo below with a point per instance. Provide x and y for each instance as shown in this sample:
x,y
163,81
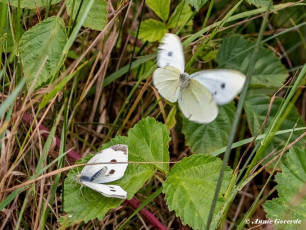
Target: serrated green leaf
x,y
197,4
160,7
151,139
180,16
236,53
206,138
42,43
190,187
147,142
260,3
30,4
291,183
152,30
256,107
97,16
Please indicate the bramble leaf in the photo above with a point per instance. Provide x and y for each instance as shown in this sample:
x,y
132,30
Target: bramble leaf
x,y
160,7
180,15
256,107
42,43
190,187
291,184
206,138
236,53
197,4
97,16
152,30
260,3
30,4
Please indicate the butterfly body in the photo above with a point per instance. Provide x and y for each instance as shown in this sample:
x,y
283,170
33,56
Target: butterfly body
x,y
106,166
184,80
197,94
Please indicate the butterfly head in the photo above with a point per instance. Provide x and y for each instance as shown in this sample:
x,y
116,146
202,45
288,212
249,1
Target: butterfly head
x,y
184,80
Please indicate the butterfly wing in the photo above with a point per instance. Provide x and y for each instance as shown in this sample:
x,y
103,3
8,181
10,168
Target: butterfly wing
x,y
103,173
197,103
224,85
107,190
166,81
170,52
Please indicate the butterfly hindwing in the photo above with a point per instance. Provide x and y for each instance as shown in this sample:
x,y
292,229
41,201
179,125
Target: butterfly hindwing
x,y
166,81
197,104
107,190
224,85
170,52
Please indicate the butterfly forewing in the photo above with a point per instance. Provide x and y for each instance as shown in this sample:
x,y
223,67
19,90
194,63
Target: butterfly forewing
x,y
170,52
103,173
197,104
224,85
166,81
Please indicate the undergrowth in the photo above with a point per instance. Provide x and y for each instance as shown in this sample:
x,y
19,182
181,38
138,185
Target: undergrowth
x,y
76,77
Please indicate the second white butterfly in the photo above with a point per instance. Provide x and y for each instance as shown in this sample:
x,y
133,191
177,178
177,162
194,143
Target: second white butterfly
x,y
94,176
197,94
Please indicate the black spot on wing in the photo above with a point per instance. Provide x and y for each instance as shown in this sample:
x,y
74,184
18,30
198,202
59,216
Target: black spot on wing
x,y
170,54
112,189
123,148
214,93
112,171
222,85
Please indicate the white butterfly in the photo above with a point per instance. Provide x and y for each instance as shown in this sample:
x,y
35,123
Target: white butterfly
x,y
199,93
93,175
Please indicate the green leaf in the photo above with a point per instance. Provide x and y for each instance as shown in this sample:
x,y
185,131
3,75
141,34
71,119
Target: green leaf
x,y
152,30
190,187
150,139
197,4
291,183
147,142
42,43
30,4
260,3
160,7
206,138
236,53
171,120
256,108
97,16
180,16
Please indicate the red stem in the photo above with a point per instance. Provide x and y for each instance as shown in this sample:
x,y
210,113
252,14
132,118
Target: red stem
x,y
73,156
